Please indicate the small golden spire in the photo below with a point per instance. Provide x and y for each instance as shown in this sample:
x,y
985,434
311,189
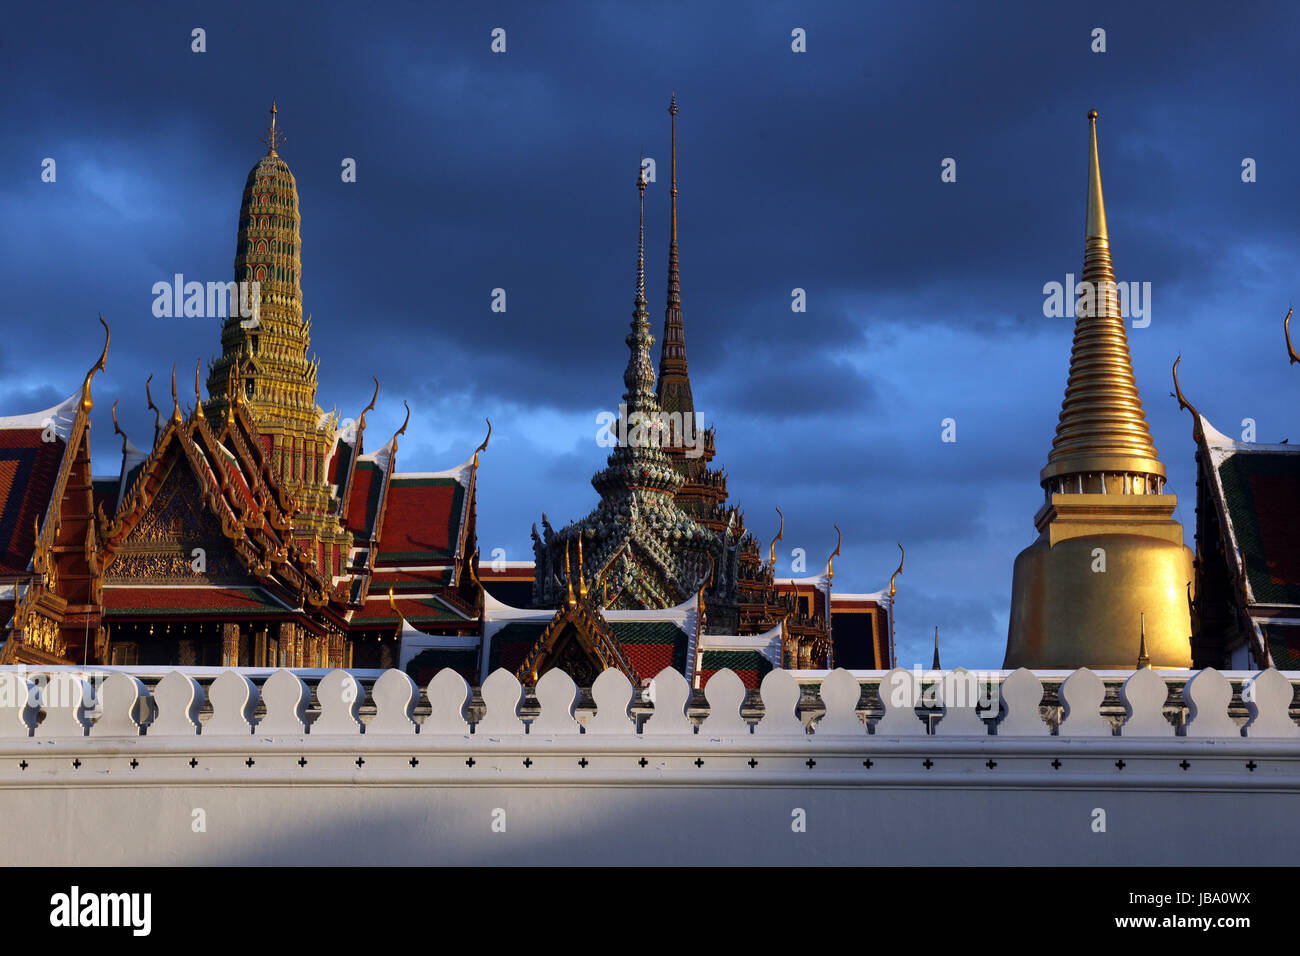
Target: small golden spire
x,y
582,577
568,576
176,402
935,665
779,535
198,396
232,390
1144,659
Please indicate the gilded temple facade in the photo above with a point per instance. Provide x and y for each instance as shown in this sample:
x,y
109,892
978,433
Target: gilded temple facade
x,y
256,530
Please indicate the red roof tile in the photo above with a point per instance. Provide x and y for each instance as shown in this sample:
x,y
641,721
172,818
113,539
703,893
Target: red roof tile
x,y
421,520
29,469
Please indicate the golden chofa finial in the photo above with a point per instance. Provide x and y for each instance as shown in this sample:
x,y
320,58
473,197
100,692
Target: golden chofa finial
x,y
273,136
405,422
1286,330
198,396
361,422
830,562
86,402
157,415
176,402
483,447
779,535
902,556
393,604
1183,403
117,429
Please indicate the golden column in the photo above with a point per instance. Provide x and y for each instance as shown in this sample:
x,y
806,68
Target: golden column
x,y
1108,549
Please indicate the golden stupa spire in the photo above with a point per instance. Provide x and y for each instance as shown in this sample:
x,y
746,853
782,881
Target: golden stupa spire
x,y
1108,548
1102,428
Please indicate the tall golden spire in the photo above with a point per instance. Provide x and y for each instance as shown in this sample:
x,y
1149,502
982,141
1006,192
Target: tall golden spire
x,y
1108,548
1102,428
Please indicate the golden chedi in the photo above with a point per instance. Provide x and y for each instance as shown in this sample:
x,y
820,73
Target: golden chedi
x,y
1109,555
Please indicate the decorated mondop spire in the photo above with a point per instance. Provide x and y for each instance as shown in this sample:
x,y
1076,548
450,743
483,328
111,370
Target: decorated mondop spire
x,y
265,339
1102,429
674,382
638,460
645,550
639,377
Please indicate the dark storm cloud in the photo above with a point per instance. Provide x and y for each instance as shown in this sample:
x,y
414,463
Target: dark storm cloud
x,y
817,171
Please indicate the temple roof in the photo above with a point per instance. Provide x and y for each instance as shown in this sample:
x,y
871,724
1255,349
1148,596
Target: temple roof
x,y
32,451
155,600
1256,488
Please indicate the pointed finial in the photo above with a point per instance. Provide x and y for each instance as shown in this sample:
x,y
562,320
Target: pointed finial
x,y
672,110
232,394
393,604
640,245
1143,659
86,403
779,535
568,576
1096,228
176,402
935,665
1286,329
273,136
198,396
582,577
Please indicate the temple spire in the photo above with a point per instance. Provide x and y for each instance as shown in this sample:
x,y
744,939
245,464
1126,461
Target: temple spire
x,y
674,388
273,136
1102,428
639,376
1096,227
640,242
